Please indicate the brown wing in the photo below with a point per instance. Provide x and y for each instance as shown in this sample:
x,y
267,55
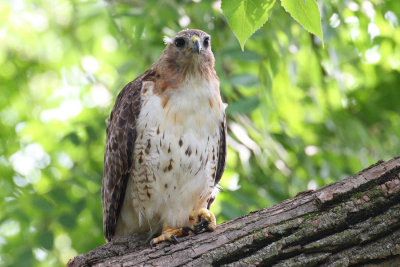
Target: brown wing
x,y
118,155
223,146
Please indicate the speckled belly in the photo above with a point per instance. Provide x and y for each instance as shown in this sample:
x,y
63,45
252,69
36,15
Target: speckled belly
x,y
173,172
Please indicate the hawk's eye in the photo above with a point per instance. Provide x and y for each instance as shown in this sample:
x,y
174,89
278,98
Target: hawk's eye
x,y
206,42
179,42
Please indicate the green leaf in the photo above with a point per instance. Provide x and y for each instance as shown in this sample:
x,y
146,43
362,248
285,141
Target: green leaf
x,y
246,16
245,105
248,55
245,79
45,238
306,13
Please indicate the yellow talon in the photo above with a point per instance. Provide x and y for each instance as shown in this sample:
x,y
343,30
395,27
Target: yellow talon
x,y
170,234
198,220
203,219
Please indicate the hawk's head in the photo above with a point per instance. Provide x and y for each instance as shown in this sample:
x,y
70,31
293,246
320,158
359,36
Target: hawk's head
x,y
191,42
189,52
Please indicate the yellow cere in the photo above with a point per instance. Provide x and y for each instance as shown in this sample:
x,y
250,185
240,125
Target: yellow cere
x,y
195,38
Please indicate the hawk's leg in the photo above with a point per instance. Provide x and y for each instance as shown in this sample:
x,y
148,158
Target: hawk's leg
x,y
202,219
170,234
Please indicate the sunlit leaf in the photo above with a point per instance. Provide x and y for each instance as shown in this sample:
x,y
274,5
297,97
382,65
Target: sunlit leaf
x,y
306,13
246,16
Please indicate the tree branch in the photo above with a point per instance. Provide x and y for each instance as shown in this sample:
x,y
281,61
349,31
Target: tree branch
x,y
353,221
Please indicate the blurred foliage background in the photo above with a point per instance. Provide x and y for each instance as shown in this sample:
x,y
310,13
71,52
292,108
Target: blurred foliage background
x,y
300,115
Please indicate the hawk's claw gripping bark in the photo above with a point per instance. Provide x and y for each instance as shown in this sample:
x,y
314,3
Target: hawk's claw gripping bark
x,y
170,234
174,239
201,225
203,219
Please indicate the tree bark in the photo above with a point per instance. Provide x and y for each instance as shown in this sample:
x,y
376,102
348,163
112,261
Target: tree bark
x,y
355,221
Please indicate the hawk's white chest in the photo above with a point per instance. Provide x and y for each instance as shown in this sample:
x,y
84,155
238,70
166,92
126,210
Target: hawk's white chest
x,y
176,153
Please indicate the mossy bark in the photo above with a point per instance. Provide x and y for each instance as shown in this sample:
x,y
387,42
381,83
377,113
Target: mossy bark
x,y
355,221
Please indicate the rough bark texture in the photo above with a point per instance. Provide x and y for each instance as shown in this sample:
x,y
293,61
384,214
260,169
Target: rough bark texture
x,y
355,221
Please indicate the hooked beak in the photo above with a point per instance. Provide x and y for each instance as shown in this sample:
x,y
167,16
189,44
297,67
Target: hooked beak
x,y
196,44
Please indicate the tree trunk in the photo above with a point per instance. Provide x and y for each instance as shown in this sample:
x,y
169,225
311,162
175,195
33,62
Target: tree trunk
x,y
355,221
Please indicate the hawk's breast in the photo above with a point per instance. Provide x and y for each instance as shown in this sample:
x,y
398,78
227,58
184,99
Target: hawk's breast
x,y
176,151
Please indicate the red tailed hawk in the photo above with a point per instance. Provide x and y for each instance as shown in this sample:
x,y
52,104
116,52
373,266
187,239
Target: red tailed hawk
x,y
166,144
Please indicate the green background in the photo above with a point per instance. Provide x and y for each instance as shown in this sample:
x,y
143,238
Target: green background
x,y
300,115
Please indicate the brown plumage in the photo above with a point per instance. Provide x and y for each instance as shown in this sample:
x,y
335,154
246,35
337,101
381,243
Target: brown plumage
x,y
167,127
